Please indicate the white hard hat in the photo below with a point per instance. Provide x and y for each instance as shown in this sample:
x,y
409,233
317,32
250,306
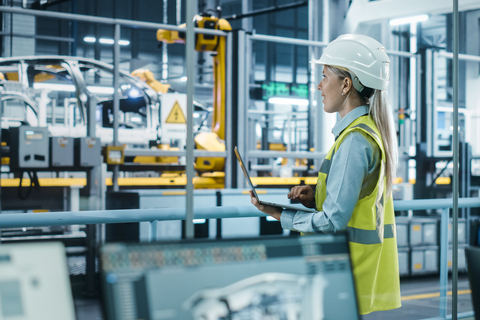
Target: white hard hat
x,y
362,56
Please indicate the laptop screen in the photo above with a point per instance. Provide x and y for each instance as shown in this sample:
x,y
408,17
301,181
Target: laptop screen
x,y
261,278
245,172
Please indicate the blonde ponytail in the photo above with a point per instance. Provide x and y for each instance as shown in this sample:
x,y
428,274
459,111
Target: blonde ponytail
x,y
382,114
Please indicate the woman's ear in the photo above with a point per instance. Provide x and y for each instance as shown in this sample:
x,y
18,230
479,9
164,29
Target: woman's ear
x,y
347,85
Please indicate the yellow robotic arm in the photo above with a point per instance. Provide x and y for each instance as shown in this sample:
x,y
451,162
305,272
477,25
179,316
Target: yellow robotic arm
x,y
212,141
206,42
147,76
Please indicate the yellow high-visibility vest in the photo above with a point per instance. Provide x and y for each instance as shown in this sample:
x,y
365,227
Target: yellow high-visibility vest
x,y
371,231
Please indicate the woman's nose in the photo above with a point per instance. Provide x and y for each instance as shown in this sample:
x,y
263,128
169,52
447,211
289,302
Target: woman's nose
x,y
319,87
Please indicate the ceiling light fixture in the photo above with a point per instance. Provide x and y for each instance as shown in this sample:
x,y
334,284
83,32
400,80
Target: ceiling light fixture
x,y
400,21
106,41
288,101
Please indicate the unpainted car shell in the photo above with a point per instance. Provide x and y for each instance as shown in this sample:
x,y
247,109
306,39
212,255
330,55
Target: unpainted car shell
x,y
85,98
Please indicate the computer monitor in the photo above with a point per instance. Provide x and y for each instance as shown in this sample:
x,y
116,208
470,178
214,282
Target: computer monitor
x,y
305,277
34,282
472,255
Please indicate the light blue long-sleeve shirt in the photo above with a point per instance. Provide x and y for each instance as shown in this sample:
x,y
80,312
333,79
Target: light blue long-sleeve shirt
x,y
355,166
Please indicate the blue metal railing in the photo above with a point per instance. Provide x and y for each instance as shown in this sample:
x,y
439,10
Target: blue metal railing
x,y
19,220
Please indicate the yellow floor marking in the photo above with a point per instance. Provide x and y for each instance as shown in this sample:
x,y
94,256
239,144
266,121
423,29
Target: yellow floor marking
x,y
432,295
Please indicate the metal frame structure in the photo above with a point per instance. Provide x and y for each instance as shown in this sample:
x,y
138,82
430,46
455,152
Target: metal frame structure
x,y
432,144
118,23
432,101
249,39
244,69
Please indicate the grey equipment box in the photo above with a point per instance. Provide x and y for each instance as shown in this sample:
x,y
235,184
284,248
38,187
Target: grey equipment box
x,y
424,260
462,233
88,152
462,265
61,152
29,147
402,224
404,261
423,232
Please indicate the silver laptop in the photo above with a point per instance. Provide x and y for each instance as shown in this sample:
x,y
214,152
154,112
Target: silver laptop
x,y
279,205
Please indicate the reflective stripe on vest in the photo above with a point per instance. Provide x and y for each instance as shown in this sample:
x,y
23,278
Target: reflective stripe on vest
x,y
325,167
370,236
326,164
368,129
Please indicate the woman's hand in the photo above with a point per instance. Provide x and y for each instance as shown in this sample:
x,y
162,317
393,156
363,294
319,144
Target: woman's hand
x,y
272,211
304,194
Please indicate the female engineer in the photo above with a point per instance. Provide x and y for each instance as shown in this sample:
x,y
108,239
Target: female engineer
x,y
354,187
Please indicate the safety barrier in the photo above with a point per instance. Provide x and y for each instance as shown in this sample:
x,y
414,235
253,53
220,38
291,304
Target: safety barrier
x,y
18,220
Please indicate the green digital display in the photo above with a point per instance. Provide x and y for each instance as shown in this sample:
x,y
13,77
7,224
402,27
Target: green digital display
x,y
283,89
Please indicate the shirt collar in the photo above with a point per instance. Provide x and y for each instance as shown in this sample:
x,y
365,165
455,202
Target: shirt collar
x,y
348,119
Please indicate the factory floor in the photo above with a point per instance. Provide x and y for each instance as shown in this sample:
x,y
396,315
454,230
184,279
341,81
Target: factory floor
x,y
420,300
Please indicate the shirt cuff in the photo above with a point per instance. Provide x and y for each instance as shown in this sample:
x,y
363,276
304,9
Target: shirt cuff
x,y
286,219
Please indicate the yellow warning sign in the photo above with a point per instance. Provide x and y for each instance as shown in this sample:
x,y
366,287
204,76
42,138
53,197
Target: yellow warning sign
x,y
176,115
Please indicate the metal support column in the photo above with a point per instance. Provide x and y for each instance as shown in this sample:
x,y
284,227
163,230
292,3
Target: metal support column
x,y
90,260
455,163
93,174
153,236
229,119
116,99
314,127
93,193
190,57
418,115
443,262
242,99
165,45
